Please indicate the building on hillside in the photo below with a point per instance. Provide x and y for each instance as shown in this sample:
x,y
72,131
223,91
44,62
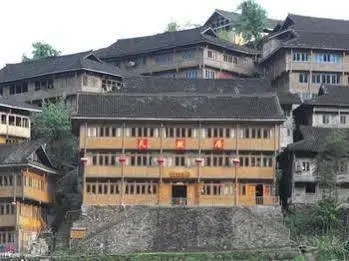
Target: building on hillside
x,y
299,166
193,53
235,86
225,20
15,120
330,109
142,146
302,53
56,77
27,188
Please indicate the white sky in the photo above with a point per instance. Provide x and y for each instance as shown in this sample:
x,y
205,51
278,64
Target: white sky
x,y
79,25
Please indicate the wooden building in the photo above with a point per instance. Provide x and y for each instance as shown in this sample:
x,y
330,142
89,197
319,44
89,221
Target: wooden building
x,y
15,120
63,76
302,53
315,120
153,146
226,20
27,188
193,53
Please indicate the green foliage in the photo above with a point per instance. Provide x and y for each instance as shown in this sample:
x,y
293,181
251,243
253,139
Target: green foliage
x,y
172,27
321,219
252,21
330,247
41,50
225,35
328,163
53,125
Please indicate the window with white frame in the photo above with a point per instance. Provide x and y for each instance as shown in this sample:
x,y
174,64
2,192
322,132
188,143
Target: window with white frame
x,y
210,74
325,119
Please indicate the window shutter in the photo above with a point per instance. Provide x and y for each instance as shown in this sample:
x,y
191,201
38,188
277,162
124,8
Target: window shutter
x,y
232,133
188,162
193,133
164,132
118,132
127,132
156,132
203,133
169,162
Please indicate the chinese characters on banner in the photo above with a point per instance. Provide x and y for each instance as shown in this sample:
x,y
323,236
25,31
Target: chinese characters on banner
x,y
180,144
218,144
142,144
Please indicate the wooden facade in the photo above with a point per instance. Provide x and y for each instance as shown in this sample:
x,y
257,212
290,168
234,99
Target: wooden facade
x,y
195,168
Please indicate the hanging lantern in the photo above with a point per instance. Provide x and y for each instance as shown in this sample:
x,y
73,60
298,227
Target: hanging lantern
x,y
160,160
84,160
236,162
122,159
199,161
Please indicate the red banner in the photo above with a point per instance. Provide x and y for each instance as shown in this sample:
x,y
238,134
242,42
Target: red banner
x,y
142,144
218,144
180,144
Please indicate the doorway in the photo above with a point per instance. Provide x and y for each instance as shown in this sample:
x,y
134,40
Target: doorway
x,y
179,195
259,194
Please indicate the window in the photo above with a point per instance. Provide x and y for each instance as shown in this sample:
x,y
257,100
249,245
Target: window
x,y
188,54
310,188
328,58
343,119
325,119
305,166
110,84
228,58
303,77
242,190
163,58
210,74
327,78
192,74
300,57
218,132
142,132
289,132
209,54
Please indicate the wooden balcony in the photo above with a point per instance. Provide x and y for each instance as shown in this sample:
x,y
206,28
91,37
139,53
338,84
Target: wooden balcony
x,y
38,195
245,69
258,144
101,142
7,220
314,66
16,131
190,143
255,172
8,192
180,172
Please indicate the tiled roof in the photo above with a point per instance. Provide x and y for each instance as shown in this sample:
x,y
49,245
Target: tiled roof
x,y
19,153
50,65
234,17
331,95
316,24
162,85
13,104
166,41
193,106
314,32
234,86
313,138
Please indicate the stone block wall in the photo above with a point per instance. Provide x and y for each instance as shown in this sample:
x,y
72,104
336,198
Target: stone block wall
x,y
120,229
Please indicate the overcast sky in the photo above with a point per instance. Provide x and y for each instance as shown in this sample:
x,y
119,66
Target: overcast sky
x,y
79,25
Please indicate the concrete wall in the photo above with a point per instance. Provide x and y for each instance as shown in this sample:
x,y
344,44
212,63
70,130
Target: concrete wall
x,y
153,229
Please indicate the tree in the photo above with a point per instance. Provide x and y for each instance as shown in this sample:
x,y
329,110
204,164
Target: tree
x,y
41,50
329,162
172,27
252,21
53,125
225,35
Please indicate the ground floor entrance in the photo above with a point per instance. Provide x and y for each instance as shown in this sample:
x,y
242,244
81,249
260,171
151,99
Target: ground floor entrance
x,y
179,195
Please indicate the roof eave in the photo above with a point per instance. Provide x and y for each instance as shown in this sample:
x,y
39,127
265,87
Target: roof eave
x,y
78,117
